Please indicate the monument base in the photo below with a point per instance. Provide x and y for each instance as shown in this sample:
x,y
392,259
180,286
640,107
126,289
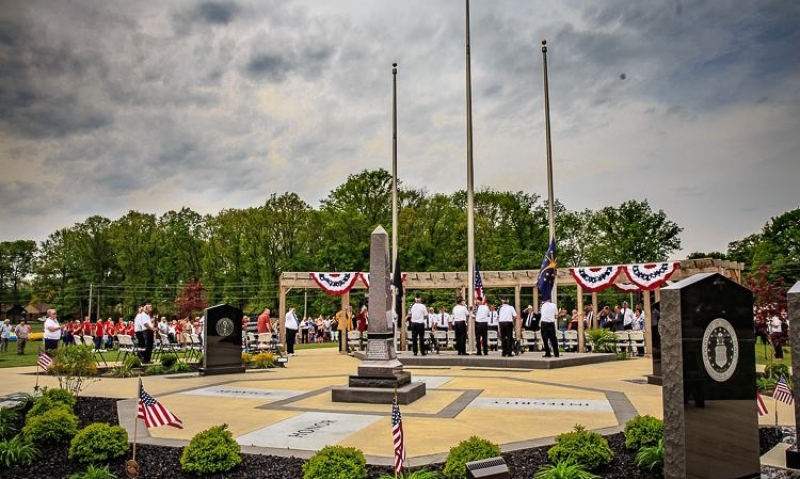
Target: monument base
x,y
400,379
378,395
222,370
793,458
653,379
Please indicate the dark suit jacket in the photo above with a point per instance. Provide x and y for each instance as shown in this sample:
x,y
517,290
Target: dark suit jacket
x,y
617,321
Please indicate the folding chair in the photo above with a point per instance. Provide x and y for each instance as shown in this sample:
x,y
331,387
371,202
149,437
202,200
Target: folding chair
x,y
637,341
89,341
492,334
166,344
196,347
571,340
252,342
264,342
623,342
353,340
451,339
126,346
529,340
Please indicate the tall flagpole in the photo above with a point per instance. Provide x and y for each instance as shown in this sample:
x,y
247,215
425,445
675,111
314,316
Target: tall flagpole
x,y
470,194
394,169
550,199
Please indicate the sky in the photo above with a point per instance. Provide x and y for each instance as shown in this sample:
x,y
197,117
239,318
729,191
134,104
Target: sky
x,y
112,106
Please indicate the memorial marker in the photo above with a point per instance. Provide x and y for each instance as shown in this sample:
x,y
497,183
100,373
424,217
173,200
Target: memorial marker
x,y
244,393
222,340
543,404
309,431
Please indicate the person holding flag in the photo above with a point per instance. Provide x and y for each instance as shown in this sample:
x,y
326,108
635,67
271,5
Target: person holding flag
x,y
549,311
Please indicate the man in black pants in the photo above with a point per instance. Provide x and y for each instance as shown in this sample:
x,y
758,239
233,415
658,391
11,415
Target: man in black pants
x,y
506,319
460,316
145,332
419,314
482,328
548,325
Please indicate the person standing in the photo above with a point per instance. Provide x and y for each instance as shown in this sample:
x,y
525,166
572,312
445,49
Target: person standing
x,y
292,325
144,329
482,328
22,331
443,318
419,314
264,323
548,325
776,336
362,317
5,332
494,324
617,319
531,323
506,318
627,317
52,331
344,320
460,314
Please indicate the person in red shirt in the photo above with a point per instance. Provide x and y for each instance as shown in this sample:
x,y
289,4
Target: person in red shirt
x,y
98,331
86,327
110,333
264,323
77,329
119,328
67,330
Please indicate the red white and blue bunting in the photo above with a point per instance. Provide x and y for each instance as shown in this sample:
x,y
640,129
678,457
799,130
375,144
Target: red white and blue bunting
x,y
365,278
336,283
595,279
651,275
626,287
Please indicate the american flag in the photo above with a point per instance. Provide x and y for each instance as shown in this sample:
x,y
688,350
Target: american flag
x,y
782,392
45,360
397,434
762,408
154,413
479,291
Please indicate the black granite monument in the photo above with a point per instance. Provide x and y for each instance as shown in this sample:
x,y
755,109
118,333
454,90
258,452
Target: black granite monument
x,y
222,340
793,300
709,384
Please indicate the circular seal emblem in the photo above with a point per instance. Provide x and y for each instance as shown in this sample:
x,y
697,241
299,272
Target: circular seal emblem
x,y
720,350
225,327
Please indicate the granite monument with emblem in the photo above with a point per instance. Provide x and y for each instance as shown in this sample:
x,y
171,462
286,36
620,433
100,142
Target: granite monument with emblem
x,y
709,385
793,300
380,373
222,340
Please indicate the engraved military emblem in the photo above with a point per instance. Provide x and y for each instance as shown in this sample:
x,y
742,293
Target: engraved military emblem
x,y
225,327
720,350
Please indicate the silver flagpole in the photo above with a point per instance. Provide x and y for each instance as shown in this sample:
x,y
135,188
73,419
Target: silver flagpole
x,y
550,199
470,198
395,221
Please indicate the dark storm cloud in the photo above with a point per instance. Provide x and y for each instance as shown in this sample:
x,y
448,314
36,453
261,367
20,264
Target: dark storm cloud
x,y
217,12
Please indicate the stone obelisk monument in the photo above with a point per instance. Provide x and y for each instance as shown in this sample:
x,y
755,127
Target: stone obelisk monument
x,y
380,372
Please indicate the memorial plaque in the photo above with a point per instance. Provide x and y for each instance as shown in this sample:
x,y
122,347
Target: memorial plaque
x,y
222,340
709,384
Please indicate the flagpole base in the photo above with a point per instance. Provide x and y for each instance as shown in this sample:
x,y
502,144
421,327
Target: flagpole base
x,y
378,395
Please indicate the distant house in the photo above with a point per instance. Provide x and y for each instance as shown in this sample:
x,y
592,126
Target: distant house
x,y
36,310
13,311
31,312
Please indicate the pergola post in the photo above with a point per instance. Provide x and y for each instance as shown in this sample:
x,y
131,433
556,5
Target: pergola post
x,y
518,304
343,332
595,320
535,298
581,338
282,315
648,324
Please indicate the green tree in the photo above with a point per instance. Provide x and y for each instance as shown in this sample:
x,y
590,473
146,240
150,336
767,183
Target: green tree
x,y
779,247
575,231
634,233
17,262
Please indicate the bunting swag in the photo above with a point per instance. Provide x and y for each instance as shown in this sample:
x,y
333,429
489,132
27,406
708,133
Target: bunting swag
x,y
626,287
651,276
365,278
595,279
335,283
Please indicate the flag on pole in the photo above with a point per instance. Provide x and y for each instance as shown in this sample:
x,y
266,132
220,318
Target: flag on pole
x,y
397,282
547,273
154,413
479,291
762,408
397,435
782,392
45,360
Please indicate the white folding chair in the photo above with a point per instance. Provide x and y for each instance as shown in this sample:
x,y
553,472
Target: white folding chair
x,y
637,341
126,346
571,340
353,340
492,334
89,341
264,341
195,349
529,340
623,341
451,339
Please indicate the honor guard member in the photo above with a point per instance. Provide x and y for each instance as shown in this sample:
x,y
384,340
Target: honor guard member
x,y
531,322
419,314
443,320
460,314
548,324
429,320
493,322
506,318
482,328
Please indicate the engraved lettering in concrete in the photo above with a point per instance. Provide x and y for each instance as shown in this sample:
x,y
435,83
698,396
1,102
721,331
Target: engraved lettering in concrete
x,y
433,382
543,404
308,431
244,393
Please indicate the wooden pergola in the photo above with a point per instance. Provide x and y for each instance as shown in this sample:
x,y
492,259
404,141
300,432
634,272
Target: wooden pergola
x,y
459,283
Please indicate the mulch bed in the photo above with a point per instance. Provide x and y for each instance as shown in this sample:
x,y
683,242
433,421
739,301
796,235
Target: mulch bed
x,y
157,462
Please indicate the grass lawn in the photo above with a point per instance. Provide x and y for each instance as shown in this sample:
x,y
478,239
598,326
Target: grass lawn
x,y
329,344
766,354
12,360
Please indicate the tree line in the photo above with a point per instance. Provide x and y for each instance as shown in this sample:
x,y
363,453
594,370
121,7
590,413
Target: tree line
x,y
239,254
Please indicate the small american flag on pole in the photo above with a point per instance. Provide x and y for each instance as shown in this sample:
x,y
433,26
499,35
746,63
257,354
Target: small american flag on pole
x,y
782,392
154,413
45,360
762,408
397,434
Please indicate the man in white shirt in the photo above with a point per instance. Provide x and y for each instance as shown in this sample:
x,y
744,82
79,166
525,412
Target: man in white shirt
x,y
460,314
482,328
419,314
144,329
506,318
292,325
52,331
627,316
548,325
443,320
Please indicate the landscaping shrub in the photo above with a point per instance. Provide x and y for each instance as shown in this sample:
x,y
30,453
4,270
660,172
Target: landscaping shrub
x,y
247,358
264,360
54,426
651,457
563,470
213,450
643,431
603,340
580,446
93,472
17,452
73,365
336,462
133,361
61,396
181,367
8,421
43,404
98,442
775,370
122,371
472,449
155,369
766,385
168,360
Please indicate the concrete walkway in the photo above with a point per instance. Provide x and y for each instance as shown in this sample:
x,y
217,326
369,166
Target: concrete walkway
x,y
288,411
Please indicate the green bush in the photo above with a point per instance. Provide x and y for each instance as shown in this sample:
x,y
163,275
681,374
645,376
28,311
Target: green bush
x,y
168,360
643,431
563,470
336,462
775,370
264,361
122,371
43,404
603,340
17,452
765,384
213,450
98,442
580,446
651,457
247,358
8,422
54,426
472,449
133,361
73,366
93,472
155,369
180,367
60,396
